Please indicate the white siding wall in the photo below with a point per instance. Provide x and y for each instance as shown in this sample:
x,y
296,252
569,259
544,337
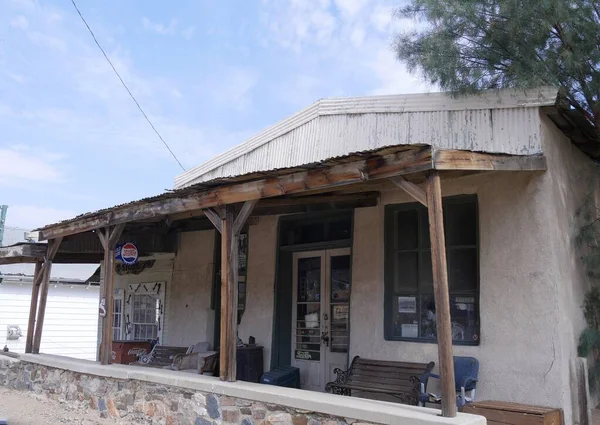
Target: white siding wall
x,y
69,323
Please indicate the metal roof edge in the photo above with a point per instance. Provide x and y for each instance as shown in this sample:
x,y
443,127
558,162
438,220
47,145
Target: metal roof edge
x,y
265,136
422,102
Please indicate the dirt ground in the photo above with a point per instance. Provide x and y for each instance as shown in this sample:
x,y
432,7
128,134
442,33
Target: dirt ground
x,y
24,408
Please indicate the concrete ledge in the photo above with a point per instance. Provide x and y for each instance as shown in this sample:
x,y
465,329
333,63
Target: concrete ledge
x,y
345,407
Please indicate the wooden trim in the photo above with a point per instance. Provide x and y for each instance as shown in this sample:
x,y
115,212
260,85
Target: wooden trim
x,y
476,161
412,189
35,290
243,216
53,245
441,295
380,167
227,363
214,218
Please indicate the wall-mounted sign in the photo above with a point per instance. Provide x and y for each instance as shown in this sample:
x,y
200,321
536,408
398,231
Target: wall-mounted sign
x,y
407,305
127,253
139,267
102,308
308,355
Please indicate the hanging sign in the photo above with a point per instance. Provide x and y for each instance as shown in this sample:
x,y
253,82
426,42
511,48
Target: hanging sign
x,y
127,253
102,308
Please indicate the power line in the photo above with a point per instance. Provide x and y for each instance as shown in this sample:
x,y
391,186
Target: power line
x,y
125,85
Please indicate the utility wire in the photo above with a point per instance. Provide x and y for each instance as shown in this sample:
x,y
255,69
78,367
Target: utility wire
x,y
125,85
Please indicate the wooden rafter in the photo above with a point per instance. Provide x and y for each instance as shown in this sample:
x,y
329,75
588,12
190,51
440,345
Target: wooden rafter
x,y
323,178
411,188
476,161
405,162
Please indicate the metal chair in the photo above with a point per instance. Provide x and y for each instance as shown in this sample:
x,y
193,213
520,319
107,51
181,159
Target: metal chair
x,y
466,370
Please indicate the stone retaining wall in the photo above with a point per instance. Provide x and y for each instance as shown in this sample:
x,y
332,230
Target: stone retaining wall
x,y
145,402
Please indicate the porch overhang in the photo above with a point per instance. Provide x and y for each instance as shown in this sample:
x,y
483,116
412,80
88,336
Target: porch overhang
x,y
337,174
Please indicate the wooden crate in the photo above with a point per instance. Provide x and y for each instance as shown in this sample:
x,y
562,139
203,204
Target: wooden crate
x,y
503,413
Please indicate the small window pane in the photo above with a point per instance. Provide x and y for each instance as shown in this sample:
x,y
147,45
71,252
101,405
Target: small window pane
x,y
406,272
309,233
405,317
461,223
424,241
340,229
425,272
462,269
428,319
406,228
463,311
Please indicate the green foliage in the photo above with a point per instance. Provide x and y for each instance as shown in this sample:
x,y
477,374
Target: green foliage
x,y
470,45
588,239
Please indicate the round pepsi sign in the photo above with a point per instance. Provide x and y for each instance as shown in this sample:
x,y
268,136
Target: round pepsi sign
x,y
129,253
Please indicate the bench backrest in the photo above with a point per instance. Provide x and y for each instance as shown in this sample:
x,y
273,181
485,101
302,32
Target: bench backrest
x,y
163,354
387,375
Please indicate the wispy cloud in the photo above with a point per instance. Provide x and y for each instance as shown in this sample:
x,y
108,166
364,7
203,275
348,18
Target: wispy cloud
x,y
352,35
21,165
172,28
32,216
19,22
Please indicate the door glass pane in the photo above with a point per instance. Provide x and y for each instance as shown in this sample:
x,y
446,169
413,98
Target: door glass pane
x,y
340,278
340,303
308,310
309,279
461,223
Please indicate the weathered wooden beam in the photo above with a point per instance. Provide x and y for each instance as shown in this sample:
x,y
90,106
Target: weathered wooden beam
x,y
111,236
227,360
53,245
214,218
242,217
300,182
411,188
476,161
35,290
441,295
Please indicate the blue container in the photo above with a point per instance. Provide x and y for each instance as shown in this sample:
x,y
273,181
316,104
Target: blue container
x,y
282,376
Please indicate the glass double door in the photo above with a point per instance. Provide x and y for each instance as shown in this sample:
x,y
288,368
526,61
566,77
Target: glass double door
x,y
321,315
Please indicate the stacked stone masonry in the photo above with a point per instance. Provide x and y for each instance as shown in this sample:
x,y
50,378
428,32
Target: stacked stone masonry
x,y
147,403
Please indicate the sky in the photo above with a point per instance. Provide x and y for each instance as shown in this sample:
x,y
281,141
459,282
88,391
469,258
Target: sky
x,y
209,74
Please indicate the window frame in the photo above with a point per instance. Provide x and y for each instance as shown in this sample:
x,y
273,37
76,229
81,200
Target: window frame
x,y
390,261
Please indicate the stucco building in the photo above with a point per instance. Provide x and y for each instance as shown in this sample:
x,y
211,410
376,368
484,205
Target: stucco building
x,y
335,258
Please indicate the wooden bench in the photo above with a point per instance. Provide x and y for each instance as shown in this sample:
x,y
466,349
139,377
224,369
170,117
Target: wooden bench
x,y
160,356
401,380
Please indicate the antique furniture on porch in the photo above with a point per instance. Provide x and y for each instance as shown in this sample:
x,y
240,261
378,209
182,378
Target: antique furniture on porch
x,y
198,357
160,356
466,370
500,413
125,351
401,380
249,363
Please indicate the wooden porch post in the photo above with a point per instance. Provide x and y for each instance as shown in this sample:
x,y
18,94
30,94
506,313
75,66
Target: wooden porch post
x,y
109,237
230,225
35,291
45,270
442,298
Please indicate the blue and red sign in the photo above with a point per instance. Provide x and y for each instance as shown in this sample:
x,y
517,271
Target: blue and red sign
x,y
127,253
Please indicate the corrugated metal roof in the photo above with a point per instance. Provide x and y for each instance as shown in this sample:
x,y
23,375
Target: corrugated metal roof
x,y
499,121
